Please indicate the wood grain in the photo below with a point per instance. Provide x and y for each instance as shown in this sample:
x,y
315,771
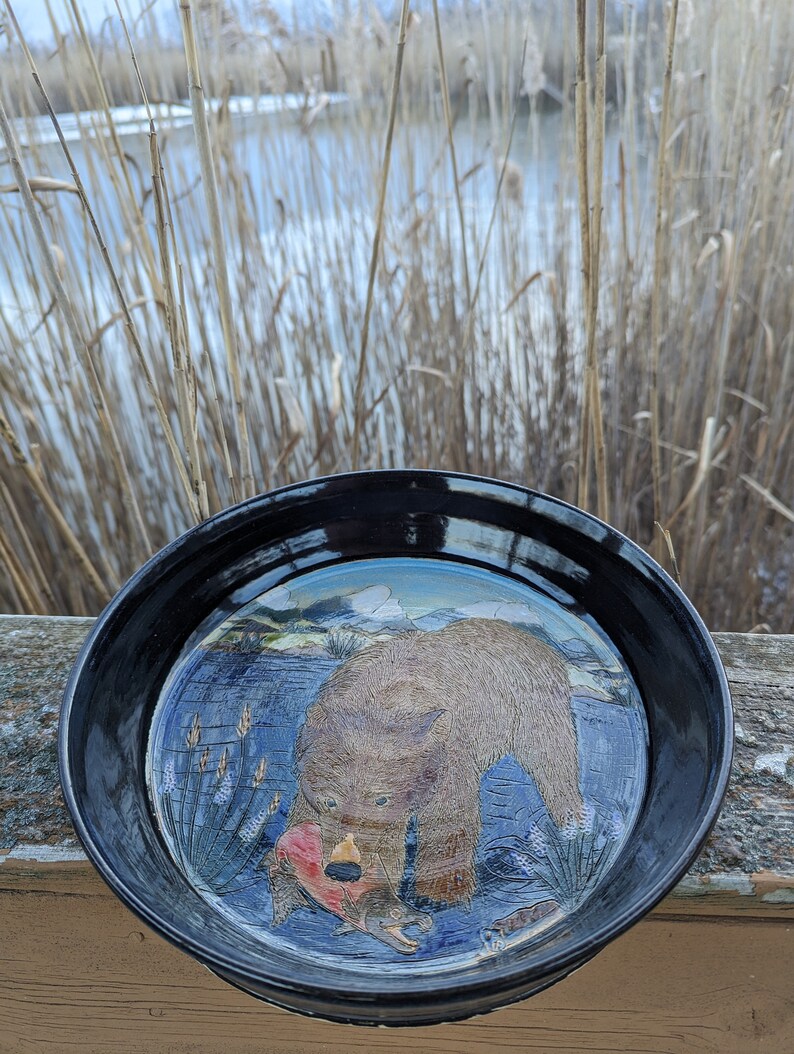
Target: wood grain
x,y
79,972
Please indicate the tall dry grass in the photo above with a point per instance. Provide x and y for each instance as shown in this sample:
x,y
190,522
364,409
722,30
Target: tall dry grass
x,y
658,386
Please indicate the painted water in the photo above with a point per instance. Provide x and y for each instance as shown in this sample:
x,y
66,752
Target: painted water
x,y
229,790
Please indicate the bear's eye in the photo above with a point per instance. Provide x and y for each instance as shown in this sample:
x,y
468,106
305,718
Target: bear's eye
x,y
382,800
330,803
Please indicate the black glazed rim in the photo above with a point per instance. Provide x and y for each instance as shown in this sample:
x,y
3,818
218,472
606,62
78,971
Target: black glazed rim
x,y
418,1000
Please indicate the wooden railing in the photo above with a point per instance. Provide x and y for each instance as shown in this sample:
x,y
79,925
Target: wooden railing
x,y
711,969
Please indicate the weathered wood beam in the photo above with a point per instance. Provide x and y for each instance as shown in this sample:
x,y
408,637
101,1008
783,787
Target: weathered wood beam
x,y
747,866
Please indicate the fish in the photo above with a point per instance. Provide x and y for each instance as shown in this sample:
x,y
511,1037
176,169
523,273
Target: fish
x,y
521,925
525,917
382,915
368,904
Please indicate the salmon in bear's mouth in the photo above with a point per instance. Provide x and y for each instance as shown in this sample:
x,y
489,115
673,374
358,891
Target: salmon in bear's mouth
x,y
367,904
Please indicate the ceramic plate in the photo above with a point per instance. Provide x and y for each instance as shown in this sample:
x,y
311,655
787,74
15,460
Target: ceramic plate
x,y
396,747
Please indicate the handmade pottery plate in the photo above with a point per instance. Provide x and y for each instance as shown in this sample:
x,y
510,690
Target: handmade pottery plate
x,y
396,747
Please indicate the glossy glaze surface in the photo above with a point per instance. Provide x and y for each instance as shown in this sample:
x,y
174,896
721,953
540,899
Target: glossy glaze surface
x,y
481,860
185,594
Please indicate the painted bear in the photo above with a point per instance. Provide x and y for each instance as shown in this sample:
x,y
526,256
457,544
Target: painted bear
x,y
406,727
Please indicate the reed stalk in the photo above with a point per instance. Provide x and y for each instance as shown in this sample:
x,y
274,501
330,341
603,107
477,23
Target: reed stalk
x,y
78,340
658,268
219,251
448,124
30,599
124,306
40,488
499,388
373,260
583,197
184,374
128,201
467,359
49,603
592,379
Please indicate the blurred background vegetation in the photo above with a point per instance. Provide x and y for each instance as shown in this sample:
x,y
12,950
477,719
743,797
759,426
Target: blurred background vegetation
x,y
159,361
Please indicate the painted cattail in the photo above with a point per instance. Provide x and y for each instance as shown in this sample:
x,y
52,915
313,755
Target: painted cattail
x,y
259,775
224,791
252,827
537,841
570,830
587,817
169,778
194,735
244,724
616,824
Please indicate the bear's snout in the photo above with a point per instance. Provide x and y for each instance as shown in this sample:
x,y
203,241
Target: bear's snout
x,y
345,862
343,871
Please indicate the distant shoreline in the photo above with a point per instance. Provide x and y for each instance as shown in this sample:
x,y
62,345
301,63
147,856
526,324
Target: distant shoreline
x,y
134,120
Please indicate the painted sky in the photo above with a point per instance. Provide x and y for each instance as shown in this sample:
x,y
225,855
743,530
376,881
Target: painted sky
x,y
379,590
395,586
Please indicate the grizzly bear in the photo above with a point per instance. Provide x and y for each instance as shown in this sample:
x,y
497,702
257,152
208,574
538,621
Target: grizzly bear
x,y
406,728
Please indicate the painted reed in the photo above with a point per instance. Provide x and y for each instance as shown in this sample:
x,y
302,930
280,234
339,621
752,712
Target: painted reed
x,y
214,815
563,862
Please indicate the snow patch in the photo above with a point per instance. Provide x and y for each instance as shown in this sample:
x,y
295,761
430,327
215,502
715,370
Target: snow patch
x,y
507,612
278,599
132,120
377,603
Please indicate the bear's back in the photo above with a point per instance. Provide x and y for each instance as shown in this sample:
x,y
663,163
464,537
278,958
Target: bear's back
x,y
489,674
494,674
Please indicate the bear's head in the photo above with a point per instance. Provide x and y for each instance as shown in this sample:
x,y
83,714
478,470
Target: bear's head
x,y
364,772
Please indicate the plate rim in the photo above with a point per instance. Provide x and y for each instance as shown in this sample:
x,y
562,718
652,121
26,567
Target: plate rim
x,y
425,989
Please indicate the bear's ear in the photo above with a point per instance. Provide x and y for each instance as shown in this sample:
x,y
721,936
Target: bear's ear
x,y
437,723
315,715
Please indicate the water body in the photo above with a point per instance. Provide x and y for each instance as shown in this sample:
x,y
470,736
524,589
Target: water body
x,y
311,194
299,217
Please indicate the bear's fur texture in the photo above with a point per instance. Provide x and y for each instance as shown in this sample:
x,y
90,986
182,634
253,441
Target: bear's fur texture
x,y
407,727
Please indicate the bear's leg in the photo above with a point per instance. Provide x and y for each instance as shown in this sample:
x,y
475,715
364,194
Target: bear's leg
x,y
284,889
550,754
446,845
286,892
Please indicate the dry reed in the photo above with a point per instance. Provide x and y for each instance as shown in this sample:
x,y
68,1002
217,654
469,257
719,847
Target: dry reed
x,y
219,249
494,311
374,256
659,261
